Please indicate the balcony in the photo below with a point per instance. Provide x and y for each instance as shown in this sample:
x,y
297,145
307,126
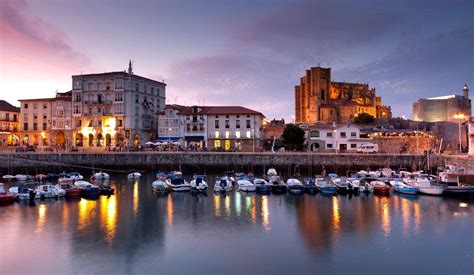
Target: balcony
x,y
98,114
8,120
96,102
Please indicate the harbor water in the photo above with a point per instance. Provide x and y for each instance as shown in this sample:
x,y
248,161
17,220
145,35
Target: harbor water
x,y
138,232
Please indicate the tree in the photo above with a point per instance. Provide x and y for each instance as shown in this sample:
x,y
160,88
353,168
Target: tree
x,y
364,118
293,137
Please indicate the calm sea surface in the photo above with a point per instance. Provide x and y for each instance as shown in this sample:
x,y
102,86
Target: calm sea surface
x,y
138,232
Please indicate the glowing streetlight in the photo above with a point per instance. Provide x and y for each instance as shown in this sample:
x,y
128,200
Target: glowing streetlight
x,y
459,117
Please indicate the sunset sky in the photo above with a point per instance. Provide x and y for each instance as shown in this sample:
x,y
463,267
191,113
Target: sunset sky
x,y
249,53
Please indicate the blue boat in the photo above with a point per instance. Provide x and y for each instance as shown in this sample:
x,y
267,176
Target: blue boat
x,y
400,187
262,186
309,186
326,186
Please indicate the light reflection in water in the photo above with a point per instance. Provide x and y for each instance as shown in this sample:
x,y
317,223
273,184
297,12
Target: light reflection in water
x,y
42,209
227,206
217,205
405,216
253,209
169,211
65,218
85,213
108,216
135,198
265,214
336,218
238,203
417,216
385,216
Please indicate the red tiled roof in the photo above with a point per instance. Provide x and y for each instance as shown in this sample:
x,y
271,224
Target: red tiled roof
x,y
219,110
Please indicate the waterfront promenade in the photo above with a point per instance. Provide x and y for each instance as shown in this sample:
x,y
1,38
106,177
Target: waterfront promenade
x,y
227,160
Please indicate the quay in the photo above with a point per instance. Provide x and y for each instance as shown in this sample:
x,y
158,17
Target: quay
x,y
234,160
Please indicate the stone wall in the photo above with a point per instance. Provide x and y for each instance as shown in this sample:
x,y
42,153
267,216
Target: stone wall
x,y
406,144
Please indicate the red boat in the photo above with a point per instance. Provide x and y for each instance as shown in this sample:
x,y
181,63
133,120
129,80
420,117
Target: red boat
x,y
71,190
380,188
5,197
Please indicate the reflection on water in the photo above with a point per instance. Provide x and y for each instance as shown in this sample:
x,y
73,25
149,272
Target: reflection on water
x,y
42,209
142,231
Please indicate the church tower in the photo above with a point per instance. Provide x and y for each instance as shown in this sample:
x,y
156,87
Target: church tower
x,y
465,91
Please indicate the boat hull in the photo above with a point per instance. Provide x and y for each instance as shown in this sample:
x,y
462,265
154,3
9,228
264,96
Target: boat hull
x,y
329,190
278,189
406,190
73,193
432,190
264,189
383,191
7,198
296,189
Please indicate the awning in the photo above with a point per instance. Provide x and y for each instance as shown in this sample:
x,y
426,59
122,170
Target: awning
x,y
166,139
194,138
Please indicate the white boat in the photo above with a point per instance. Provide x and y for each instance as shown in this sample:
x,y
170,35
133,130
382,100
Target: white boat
x,y
364,186
272,172
75,176
177,183
354,185
24,193
223,185
134,175
50,191
425,187
198,184
295,186
100,176
246,186
9,177
160,186
21,177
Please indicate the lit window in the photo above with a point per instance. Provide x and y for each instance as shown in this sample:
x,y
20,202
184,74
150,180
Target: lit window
x,y
249,135
237,134
217,134
226,134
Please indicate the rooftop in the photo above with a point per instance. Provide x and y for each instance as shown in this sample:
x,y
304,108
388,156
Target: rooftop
x,y
121,73
218,110
5,106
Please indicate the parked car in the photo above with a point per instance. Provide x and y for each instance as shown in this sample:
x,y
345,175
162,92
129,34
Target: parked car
x,y
368,148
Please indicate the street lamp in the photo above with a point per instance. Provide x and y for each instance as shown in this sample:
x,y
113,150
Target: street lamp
x,y
169,138
459,117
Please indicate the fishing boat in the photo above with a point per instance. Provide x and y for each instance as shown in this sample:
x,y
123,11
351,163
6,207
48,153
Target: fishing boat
x,y
75,176
100,176
223,185
198,184
325,186
177,183
5,197
71,190
381,188
159,185
245,185
87,188
309,186
134,175
294,186
23,193
49,191
403,188
263,187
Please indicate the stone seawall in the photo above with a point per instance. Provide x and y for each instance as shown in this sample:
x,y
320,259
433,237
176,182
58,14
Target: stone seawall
x,y
208,160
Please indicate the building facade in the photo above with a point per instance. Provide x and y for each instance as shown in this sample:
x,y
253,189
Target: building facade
x,y
171,125
9,124
471,136
35,122
443,108
61,121
317,99
115,110
332,137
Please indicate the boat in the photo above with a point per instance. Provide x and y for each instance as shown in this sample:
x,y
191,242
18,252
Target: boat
x,y
425,186
272,172
342,185
105,189
325,186
5,197
309,186
263,187
354,186
134,175
177,183
41,177
295,186
277,185
365,186
8,178
87,188
381,188
71,190
49,191
100,176
223,185
23,193
245,185
198,184
52,176
75,176
21,177
403,188
65,180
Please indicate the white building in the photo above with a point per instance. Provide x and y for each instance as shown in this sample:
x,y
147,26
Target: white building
x,y
334,137
471,136
61,121
35,121
171,125
116,109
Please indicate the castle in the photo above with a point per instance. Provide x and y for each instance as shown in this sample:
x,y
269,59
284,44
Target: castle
x,y
318,99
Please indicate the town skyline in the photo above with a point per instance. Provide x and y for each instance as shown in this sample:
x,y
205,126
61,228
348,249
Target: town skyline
x,y
208,60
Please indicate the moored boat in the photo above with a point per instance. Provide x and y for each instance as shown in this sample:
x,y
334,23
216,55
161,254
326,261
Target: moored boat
x,y
177,183
325,186
245,185
425,186
23,193
381,188
21,177
71,190
198,184
87,188
295,186
9,178
100,176
263,187
223,185
5,197
309,186
134,175
49,191
277,185
341,184
75,176
403,188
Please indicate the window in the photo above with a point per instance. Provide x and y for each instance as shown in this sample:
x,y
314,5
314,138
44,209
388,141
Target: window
x,y
137,98
137,87
119,123
77,109
227,125
90,86
77,97
237,134
79,123
217,144
25,105
353,134
249,134
217,134
237,123
35,126
89,124
45,126
227,134
217,116
77,85
35,106
25,126
343,134
45,117
216,124
329,134
314,133
188,127
118,96
247,123
353,146
35,116
99,123
329,145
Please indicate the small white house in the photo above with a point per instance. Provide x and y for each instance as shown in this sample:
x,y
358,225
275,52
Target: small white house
x,y
334,137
